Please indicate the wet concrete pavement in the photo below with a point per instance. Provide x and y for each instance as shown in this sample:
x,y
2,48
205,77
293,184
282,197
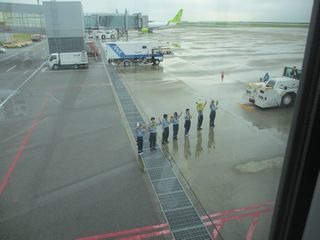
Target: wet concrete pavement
x,y
75,172
237,163
67,166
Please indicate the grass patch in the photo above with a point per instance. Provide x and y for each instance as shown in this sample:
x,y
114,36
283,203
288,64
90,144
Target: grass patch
x,y
21,36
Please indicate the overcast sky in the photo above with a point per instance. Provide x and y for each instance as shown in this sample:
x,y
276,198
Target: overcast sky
x,y
205,10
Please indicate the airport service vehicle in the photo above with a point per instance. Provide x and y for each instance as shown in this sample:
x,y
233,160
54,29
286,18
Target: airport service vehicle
x,y
127,53
36,37
104,34
157,25
75,59
10,45
275,91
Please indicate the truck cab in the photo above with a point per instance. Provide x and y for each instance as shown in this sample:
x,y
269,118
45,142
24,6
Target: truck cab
x,y
157,56
53,60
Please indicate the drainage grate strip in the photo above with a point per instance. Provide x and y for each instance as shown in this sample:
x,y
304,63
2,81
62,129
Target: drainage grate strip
x,y
199,233
183,219
174,200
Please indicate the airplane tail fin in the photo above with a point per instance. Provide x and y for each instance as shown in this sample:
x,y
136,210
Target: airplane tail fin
x,y
177,18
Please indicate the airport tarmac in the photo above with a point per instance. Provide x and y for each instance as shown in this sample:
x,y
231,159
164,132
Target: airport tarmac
x,y
69,171
237,163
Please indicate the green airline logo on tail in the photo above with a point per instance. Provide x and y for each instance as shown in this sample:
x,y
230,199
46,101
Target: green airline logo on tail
x,y
177,18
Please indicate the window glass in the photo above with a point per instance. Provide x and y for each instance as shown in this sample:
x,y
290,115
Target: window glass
x,y
79,147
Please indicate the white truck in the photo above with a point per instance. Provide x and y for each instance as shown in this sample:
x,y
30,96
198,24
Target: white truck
x,y
105,34
74,59
127,53
275,91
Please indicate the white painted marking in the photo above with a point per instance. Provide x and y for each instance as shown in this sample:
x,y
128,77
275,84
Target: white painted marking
x,y
25,72
9,57
11,68
53,97
25,81
26,59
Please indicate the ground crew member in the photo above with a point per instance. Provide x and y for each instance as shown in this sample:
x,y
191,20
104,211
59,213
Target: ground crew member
x,y
165,129
140,133
187,122
294,72
213,109
153,133
175,124
200,107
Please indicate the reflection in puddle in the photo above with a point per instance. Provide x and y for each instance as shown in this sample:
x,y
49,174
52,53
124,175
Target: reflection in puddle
x,y
175,148
199,148
187,151
211,143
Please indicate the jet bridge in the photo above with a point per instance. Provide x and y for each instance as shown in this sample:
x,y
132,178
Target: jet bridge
x,y
29,18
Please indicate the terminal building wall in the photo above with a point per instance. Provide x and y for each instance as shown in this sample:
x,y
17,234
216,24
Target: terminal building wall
x,y
21,18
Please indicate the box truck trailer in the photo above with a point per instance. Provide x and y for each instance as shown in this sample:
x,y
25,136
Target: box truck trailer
x,y
127,53
74,59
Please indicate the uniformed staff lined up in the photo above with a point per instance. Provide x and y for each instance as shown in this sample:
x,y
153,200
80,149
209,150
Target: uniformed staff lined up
x,y
152,127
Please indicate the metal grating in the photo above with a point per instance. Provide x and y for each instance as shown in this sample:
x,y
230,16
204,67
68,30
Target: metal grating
x,y
173,201
156,163
167,186
160,173
183,219
199,233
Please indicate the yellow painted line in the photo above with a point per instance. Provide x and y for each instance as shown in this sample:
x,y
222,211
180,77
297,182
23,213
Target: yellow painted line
x,y
247,107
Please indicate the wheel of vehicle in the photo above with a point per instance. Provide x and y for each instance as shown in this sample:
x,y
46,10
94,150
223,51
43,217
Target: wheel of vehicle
x,y
156,62
103,36
288,100
126,63
112,36
55,67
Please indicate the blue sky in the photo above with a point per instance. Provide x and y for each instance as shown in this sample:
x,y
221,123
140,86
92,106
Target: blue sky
x,y
206,10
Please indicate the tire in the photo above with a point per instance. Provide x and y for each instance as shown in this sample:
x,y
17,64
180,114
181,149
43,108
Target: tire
x,y
288,100
126,63
55,67
156,62
112,36
103,36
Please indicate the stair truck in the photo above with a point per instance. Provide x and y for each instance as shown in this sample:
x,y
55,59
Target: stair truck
x,y
128,53
73,59
275,91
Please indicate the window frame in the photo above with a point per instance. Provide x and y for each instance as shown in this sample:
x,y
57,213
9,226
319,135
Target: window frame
x,y
301,169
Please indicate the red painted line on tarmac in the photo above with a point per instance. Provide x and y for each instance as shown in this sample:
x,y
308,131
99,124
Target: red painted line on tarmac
x,y
252,227
244,215
147,235
217,222
263,205
126,232
216,231
21,148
